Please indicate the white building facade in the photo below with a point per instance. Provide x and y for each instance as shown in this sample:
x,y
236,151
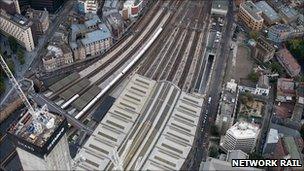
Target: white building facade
x,y
18,27
241,136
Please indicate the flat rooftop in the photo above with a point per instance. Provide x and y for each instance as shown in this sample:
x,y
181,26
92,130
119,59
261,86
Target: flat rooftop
x,y
220,4
102,33
268,10
252,9
244,130
36,131
156,119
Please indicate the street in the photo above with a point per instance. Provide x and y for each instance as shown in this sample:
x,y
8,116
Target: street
x,y
213,90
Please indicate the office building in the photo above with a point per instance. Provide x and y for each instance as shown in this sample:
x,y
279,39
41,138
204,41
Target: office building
x,y
285,90
153,123
115,24
250,14
41,143
89,39
88,6
289,63
18,27
269,15
263,51
50,5
241,136
131,8
271,141
10,6
57,56
261,88
288,14
227,107
282,32
40,19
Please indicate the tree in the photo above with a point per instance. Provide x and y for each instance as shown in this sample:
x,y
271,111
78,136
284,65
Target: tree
x,y
246,97
2,84
11,65
253,76
254,35
214,130
213,151
13,44
296,47
276,67
20,55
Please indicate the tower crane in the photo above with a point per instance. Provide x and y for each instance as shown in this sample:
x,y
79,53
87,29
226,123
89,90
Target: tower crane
x,y
16,85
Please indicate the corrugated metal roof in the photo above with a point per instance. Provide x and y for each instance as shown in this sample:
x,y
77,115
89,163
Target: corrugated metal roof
x,y
159,118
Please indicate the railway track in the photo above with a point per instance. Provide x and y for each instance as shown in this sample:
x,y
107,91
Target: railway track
x,y
97,69
170,42
101,73
178,55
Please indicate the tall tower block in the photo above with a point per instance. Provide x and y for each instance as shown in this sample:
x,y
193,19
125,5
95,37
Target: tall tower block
x,y
41,142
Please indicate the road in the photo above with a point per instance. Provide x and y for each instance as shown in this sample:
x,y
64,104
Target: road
x,y
214,89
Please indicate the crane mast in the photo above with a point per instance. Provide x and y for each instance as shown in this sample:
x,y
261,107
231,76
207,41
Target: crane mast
x,y
17,87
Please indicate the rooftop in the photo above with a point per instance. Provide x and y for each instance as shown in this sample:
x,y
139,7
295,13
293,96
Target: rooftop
x,y
156,119
273,136
36,131
289,12
213,164
288,60
236,154
268,10
96,35
252,9
292,148
244,130
220,5
280,28
16,18
285,86
262,43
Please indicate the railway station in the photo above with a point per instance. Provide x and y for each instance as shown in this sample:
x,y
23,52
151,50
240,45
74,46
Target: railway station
x,y
154,121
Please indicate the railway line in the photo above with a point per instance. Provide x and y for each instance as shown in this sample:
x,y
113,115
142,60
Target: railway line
x,y
178,55
104,72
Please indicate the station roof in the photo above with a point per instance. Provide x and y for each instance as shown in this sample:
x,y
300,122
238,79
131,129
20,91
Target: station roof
x,y
157,119
64,82
85,98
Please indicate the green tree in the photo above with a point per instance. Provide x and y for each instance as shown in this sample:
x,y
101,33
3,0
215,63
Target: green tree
x,y
246,97
11,65
13,44
213,151
296,47
254,35
253,76
276,67
20,55
2,84
214,130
